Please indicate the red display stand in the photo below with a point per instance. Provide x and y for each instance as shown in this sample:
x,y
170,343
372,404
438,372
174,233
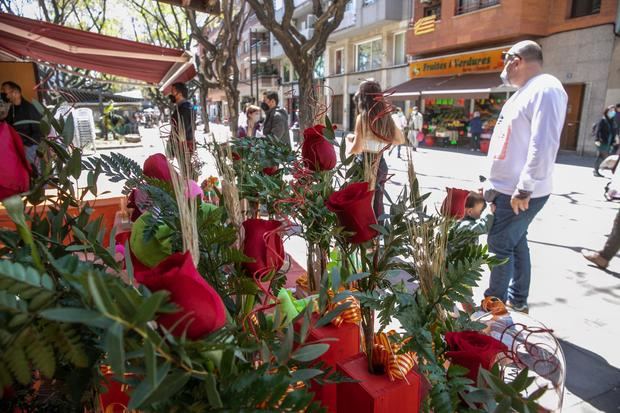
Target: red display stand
x,y
348,344
376,393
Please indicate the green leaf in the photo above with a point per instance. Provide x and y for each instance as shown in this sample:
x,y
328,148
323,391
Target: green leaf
x,y
212,394
68,130
149,308
72,315
10,302
323,321
146,388
169,387
310,352
100,294
305,374
504,406
74,166
521,382
114,346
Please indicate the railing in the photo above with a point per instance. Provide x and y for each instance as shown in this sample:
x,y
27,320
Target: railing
x,y
468,6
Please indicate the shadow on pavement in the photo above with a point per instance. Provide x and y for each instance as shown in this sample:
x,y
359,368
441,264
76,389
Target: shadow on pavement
x,y
591,378
564,157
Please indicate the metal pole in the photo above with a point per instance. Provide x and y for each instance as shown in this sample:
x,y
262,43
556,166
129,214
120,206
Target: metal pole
x,y
251,72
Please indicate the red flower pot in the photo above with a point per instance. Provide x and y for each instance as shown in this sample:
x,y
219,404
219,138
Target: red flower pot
x,y
484,145
201,308
473,350
263,243
454,203
347,344
353,206
15,170
372,393
317,152
156,166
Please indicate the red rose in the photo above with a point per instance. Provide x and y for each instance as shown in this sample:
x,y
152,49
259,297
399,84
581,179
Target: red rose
x,y
473,350
263,243
270,170
156,166
454,203
316,151
15,171
201,308
353,206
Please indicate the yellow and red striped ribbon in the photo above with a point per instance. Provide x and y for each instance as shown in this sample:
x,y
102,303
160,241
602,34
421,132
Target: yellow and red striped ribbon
x,y
385,354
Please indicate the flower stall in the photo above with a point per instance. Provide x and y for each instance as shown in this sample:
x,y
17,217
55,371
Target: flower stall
x,y
190,302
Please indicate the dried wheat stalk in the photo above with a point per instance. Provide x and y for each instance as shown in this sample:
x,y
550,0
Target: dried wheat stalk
x,y
181,174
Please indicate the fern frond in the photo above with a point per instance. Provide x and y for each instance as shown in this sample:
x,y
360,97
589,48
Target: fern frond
x,y
15,359
41,353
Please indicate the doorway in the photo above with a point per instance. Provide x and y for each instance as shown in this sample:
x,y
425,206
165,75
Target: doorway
x,y
352,112
570,131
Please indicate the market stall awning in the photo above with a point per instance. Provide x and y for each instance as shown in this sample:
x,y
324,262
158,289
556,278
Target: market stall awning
x,y
49,43
474,85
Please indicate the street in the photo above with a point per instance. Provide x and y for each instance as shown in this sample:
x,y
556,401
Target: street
x,y
576,299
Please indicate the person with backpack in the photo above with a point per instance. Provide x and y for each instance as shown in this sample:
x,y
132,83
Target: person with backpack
x,y
605,136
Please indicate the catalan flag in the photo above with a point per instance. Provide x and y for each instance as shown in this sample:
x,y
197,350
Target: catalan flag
x,y
424,25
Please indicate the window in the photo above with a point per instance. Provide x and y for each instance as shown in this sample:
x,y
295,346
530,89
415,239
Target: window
x,y
466,6
582,8
246,47
400,57
339,63
286,73
433,9
319,68
336,116
368,2
369,55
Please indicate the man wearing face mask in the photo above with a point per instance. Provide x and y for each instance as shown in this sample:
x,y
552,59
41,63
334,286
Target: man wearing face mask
x,y
276,118
22,110
522,153
182,119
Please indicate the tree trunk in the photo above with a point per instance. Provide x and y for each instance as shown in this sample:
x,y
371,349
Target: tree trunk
x,y
232,96
308,110
204,93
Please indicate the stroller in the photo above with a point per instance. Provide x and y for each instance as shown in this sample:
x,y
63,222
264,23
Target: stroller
x,y
609,167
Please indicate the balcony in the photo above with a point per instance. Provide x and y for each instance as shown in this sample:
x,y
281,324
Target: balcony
x,y
474,23
370,14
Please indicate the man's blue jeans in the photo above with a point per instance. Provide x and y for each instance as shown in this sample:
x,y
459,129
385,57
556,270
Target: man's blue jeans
x,y
508,239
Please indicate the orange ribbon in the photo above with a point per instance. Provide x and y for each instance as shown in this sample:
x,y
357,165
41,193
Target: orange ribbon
x,y
494,306
352,315
385,354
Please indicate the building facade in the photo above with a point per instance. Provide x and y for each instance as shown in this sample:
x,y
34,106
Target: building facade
x,y
578,37
368,44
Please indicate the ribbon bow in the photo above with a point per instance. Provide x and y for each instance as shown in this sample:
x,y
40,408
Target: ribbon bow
x,y
352,315
384,354
494,306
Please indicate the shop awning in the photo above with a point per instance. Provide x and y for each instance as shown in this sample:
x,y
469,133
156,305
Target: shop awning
x,y
49,43
472,86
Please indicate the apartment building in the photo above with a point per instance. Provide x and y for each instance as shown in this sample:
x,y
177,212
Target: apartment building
x,y
368,44
455,48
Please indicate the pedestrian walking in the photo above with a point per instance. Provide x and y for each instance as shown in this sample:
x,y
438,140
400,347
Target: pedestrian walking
x,y
183,119
602,257
276,118
374,132
605,135
401,123
522,153
416,123
475,128
19,113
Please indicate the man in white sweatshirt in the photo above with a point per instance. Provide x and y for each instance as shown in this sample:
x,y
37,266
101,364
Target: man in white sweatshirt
x,y
522,153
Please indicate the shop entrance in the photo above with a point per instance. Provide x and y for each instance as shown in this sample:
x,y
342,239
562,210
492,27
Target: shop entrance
x,y
570,131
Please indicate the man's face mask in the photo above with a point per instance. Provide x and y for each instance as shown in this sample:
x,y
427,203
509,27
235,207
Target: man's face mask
x,y
264,106
172,99
4,97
